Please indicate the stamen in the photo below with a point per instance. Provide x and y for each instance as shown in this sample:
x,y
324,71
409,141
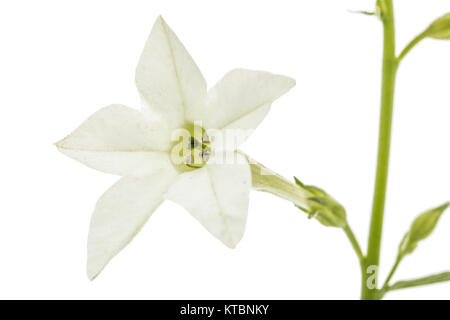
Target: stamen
x,y
193,143
204,155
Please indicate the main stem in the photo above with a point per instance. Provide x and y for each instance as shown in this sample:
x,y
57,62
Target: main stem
x,y
390,64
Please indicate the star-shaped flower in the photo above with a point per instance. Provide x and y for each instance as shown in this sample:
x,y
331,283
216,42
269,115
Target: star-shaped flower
x,y
173,148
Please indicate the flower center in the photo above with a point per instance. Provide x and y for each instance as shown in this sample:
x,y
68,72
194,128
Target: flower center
x,y
191,149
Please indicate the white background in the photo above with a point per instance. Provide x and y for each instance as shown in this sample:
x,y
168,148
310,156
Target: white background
x,y
60,61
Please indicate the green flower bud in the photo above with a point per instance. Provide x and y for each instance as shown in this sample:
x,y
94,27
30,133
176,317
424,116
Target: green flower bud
x,y
440,28
421,228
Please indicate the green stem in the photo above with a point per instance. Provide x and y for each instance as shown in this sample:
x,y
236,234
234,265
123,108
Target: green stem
x,y
433,279
411,45
391,274
349,233
387,101
351,237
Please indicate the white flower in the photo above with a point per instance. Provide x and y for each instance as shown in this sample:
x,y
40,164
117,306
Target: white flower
x,y
140,147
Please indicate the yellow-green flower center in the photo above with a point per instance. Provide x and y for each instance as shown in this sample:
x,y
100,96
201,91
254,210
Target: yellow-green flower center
x,y
191,149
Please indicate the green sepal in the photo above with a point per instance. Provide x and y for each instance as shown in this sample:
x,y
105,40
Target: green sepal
x,y
298,182
323,207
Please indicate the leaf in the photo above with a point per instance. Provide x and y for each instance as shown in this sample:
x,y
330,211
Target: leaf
x,y
440,28
421,228
363,12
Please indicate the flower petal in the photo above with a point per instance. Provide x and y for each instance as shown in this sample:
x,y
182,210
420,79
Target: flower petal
x,y
233,135
167,78
122,163
119,215
242,98
217,196
118,140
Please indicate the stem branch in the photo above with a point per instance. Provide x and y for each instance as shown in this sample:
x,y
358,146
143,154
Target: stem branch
x,y
411,45
351,237
432,279
391,274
